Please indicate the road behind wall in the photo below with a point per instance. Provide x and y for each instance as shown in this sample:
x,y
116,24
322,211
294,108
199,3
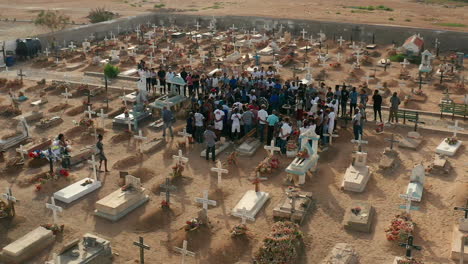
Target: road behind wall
x,y
384,34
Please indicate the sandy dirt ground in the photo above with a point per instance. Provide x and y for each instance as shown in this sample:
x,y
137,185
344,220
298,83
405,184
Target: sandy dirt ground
x,y
437,14
323,227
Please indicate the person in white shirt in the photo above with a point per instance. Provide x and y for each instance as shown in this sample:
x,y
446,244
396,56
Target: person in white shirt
x,y
262,121
252,96
169,75
219,118
284,134
331,121
215,82
235,128
199,126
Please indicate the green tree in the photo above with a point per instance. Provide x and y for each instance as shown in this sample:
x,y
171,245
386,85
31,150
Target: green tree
x,y
100,14
53,20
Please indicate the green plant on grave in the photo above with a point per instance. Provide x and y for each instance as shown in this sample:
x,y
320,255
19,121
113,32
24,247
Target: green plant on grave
x,y
111,71
100,14
53,20
397,57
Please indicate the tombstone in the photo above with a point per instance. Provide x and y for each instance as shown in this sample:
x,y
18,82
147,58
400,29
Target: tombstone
x,y
294,206
357,174
91,249
248,147
416,185
359,217
459,60
450,148
342,253
426,62
80,188
412,141
122,201
27,246
459,244
251,202
389,155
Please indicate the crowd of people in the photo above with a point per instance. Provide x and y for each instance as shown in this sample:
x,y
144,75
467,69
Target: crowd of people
x,y
232,106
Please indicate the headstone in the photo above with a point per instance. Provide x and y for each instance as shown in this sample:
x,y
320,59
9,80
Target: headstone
x,y
357,175
342,253
359,217
447,149
416,185
252,202
91,249
294,206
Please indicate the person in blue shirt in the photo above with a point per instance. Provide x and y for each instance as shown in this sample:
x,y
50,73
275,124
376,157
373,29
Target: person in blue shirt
x,y
353,97
272,120
274,100
233,82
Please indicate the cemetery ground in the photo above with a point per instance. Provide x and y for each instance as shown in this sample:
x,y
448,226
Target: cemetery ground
x,y
441,14
322,228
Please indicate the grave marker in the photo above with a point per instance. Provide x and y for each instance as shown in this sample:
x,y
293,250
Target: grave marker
x,y
184,251
244,215
359,142
180,159
141,139
168,187
271,148
456,128
142,247
392,140
66,94
94,163
409,198
22,152
205,201
409,247
54,209
219,170
102,116
11,200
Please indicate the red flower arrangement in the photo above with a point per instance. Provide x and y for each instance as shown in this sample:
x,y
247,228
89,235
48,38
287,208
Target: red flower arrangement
x,y
38,187
274,163
164,204
400,228
64,173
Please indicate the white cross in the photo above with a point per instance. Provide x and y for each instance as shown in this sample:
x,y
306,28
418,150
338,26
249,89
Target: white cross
x,y
54,209
124,98
8,196
180,159
102,116
57,61
205,201
91,36
153,47
148,24
129,123
353,46
72,46
138,32
211,27
105,39
140,138
151,58
118,29
331,137
22,151
162,60
197,26
184,251
219,170
341,40
303,32
94,163
405,63
455,128
254,32
233,27
243,214
90,112
409,198
272,148
204,57
281,27
185,135
190,60
66,94
359,141
358,57
338,57
47,52
114,39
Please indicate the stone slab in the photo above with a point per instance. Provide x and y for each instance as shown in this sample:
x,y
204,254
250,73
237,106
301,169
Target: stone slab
x,y
417,188
248,147
39,102
341,253
118,204
361,222
449,150
32,146
30,116
74,66
78,156
302,205
152,146
75,191
77,253
456,245
387,162
220,147
356,178
27,246
252,201
50,122
410,143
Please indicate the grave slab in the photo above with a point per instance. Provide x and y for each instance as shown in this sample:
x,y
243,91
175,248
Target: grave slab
x,y
449,150
220,147
119,203
152,146
31,116
360,221
252,201
341,253
456,245
49,122
301,206
77,190
27,246
356,178
248,147
89,250
81,155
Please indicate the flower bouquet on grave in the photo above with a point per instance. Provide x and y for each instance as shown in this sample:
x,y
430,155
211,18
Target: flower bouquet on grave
x,y
54,228
400,228
164,204
291,146
451,141
303,154
126,187
192,224
181,144
232,158
409,261
177,170
86,122
274,163
239,230
263,167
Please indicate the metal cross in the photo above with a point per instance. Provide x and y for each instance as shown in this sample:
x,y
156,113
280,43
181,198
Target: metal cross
x,y
219,170
271,149
392,140
455,128
54,209
184,251
168,187
409,246
21,74
142,247
243,214
94,163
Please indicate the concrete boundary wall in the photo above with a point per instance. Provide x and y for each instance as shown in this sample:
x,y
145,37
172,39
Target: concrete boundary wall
x,y
384,34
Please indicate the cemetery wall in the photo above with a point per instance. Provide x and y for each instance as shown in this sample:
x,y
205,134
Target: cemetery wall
x,y
383,34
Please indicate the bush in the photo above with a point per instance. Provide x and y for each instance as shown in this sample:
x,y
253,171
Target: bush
x,y
53,20
111,71
397,58
100,14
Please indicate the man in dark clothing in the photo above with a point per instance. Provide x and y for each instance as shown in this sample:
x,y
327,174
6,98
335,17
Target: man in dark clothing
x,y
168,119
196,83
377,102
344,100
184,74
162,80
210,139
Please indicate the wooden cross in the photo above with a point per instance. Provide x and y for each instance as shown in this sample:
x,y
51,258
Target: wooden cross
x,y
257,181
72,46
219,170
243,214
409,198
54,209
140,138
341,40
94,163
271,148
331,137
456,128
66,94
464,209
359,142
142,247
90,112
409,246
392,140
180,159
11,200
205,201
184,251
168,187
102,116
22,152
